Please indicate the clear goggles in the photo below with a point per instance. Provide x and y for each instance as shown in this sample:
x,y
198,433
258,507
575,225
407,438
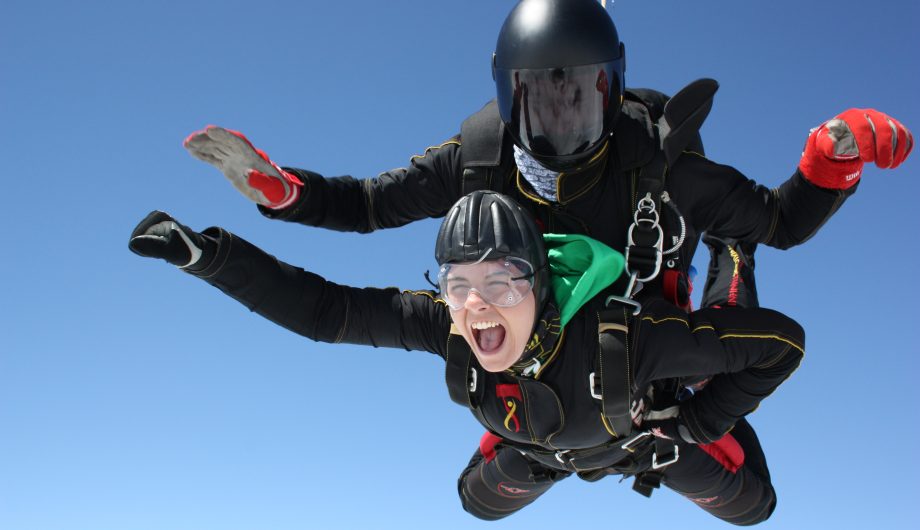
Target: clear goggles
x,y
503,282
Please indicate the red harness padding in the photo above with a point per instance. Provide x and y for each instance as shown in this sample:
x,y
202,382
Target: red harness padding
x,y
677,288
487,445
727,451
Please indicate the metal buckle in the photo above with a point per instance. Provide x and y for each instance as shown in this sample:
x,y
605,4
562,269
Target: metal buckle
x,y
629,445
559,456
532,368
627,300
658,465
646,206
591,387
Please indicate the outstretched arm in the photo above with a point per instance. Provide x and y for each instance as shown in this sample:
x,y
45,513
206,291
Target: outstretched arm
x,y
426,188
295,299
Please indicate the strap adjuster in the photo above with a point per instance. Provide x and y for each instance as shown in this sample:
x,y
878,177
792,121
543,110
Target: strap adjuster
x,y
595,394
658,465
563,457
630,445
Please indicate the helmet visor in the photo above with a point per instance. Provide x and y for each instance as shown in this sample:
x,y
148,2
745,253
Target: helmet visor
x,y
558,112
503,282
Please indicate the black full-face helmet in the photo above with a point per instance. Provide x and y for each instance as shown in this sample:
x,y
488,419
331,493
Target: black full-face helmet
x,y
488,225
558,69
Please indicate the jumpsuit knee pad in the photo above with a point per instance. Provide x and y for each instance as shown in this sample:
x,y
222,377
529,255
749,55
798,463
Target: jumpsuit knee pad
x,y
498,488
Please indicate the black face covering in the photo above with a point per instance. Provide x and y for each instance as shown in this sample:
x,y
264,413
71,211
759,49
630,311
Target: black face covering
x,y
491,225
560,116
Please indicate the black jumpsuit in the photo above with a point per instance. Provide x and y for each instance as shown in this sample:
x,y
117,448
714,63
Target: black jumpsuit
x,y
749,352
597,200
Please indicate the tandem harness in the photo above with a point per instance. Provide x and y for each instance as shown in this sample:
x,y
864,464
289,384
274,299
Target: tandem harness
x,y
611,382
676,125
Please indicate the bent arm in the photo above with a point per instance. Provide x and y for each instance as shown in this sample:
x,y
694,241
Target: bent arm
x,y
321,310
750,351
731,205
428,187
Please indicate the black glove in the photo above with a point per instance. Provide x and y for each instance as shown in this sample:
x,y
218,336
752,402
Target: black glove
x,y
161,236
666,423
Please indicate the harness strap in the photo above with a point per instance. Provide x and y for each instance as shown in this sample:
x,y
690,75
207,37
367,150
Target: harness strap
x,y
481,137
462,375
614,369
647,482
676,129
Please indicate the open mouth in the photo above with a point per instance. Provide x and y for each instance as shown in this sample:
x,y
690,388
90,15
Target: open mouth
x,y
489,336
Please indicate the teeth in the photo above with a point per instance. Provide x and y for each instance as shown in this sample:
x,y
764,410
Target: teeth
x,y
484,325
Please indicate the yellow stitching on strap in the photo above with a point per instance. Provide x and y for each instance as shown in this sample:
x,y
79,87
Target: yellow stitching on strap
x,y
607,426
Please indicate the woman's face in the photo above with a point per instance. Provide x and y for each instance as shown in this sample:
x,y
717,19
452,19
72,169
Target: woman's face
x,y
497,335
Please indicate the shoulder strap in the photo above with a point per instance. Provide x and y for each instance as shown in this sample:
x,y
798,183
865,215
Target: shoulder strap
x,y
612,381
463,375
683,116
677,128
481,137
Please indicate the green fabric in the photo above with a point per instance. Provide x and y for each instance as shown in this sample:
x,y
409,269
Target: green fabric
x,y
580,267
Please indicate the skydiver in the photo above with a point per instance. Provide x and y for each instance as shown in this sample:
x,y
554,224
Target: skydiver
x,y
564,381
568,142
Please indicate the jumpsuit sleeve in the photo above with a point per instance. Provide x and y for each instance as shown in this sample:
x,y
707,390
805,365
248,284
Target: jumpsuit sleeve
x,y
428,187
748,352
309,305
721,200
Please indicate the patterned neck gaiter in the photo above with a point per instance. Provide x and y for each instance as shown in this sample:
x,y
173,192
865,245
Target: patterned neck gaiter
x,y
547,337
543,180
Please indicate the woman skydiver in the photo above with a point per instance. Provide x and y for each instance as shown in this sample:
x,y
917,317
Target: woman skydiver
x,y
563,382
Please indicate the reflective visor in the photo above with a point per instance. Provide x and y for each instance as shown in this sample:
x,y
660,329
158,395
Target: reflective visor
x,y
503,282
558,112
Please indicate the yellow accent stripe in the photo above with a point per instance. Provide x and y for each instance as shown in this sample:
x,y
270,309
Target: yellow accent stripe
x,y
535,198
449,142
429,294
653,321
775,337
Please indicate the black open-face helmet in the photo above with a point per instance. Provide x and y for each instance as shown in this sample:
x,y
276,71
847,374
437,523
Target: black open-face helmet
x,y
558,70
488,225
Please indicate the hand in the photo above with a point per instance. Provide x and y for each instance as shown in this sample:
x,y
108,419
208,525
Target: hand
x,y
161,236
666,423
248,169
836,151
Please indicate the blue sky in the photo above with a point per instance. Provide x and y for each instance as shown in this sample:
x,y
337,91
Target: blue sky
x,y
134,397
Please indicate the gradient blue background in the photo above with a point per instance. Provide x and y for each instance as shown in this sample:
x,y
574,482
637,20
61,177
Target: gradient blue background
x,y
135,397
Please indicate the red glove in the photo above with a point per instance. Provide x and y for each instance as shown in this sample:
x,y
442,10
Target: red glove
x,y
248,169
835,151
